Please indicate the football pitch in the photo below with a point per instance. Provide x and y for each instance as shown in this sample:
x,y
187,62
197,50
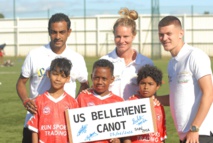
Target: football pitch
x,y
12,112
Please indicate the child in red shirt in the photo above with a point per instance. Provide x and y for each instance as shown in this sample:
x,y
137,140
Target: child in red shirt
x,y
149,80
102,77
48,125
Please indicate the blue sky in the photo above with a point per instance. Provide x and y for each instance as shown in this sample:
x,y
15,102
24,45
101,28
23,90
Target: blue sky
x,y
44,8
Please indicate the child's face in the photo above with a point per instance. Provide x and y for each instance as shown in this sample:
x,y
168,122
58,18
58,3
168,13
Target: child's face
x,y
101,79
57,79
148,87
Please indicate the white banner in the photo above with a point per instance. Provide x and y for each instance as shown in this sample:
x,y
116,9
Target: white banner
x,y
113,120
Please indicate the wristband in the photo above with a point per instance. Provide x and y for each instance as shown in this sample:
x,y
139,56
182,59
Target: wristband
x,y
25,102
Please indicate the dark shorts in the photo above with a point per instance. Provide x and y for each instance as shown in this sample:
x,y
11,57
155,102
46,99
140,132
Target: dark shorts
x,y
203,139
27,136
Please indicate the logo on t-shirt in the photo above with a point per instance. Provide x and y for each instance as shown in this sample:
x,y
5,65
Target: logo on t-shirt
x,y
41,72
90,104
158,117
46,110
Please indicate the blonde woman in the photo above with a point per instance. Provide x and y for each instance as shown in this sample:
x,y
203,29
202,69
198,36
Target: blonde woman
x,y
127,61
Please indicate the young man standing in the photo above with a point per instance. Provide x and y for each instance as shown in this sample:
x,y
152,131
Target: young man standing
x,y
190,81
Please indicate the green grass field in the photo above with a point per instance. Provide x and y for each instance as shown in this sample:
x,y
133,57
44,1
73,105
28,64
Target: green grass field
x,y
13,113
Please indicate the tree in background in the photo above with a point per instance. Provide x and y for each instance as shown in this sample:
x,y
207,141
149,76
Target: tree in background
x,y
1,15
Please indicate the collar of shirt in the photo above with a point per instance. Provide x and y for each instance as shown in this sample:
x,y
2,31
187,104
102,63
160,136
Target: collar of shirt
x,y
182,52
50,50
116,58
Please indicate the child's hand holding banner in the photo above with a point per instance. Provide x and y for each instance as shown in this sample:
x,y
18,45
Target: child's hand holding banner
x,y
113,120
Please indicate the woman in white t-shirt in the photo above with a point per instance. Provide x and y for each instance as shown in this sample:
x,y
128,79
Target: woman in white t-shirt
x,y
127,61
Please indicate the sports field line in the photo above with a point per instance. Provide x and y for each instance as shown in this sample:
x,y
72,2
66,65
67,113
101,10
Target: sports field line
x,y
9,72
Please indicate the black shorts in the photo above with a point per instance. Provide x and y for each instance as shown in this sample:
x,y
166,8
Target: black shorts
x,y
27,136
203,139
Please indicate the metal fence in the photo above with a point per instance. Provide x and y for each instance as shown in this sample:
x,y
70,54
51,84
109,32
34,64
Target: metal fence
x,y
92,36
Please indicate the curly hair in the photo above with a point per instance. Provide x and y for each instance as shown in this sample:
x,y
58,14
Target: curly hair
x,y
150,71
127,19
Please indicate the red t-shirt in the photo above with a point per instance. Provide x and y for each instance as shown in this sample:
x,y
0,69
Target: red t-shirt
x,y
1,53
158,136
91,99
49,121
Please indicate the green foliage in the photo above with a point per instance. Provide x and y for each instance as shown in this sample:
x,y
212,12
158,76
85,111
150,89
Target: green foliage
x,y
1,15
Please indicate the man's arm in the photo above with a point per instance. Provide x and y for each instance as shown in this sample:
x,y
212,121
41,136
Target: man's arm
x,y
23,95
164,100
83,86
34,137
206,87
21,88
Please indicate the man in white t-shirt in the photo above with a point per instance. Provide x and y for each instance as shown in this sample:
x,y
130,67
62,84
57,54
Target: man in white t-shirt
x,y
190,81
38,61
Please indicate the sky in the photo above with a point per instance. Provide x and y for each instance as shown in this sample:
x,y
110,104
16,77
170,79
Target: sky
x,y
75,8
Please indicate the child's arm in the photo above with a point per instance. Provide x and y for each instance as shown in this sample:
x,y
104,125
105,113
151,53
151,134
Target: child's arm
x,y
126,140
34,137
115,140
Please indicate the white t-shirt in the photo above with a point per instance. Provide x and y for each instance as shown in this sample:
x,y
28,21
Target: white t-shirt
x,y
39,60
185,94
125,83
